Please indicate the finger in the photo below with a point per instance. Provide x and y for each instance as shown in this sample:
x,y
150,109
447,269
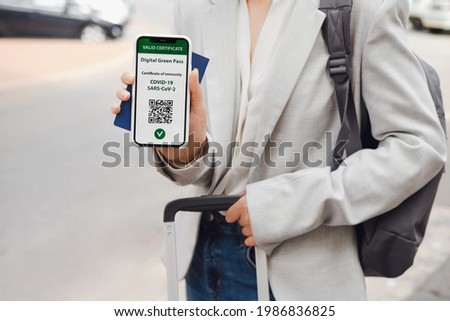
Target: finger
x,y
115,109
123,94
236,211
196,90
127,78
244,219
250,241
233,213
247,231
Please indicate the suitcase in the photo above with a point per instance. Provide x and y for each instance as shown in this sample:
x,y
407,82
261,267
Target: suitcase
x,y
203,204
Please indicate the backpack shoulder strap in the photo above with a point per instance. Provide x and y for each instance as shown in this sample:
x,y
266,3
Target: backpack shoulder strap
x,y
336,32
336,28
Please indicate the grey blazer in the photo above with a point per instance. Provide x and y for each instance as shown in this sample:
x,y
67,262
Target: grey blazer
x,y
303,216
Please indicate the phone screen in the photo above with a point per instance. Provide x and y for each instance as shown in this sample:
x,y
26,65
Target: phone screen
x,y
161,113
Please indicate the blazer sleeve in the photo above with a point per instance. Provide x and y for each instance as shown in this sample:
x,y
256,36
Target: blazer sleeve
x,y
197,172
412,147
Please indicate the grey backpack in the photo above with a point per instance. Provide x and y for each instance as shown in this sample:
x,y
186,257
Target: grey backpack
x,y
387,243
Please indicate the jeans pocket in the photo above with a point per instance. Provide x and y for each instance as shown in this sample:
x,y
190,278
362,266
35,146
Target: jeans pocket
x,y
250,257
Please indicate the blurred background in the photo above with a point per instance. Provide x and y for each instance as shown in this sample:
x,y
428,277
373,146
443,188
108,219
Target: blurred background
x,y
72,229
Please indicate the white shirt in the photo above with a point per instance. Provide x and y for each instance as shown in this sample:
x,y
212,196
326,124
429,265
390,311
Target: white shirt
x,y
252,75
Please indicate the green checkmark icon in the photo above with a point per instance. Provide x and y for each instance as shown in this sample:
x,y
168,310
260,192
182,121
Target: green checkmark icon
x,y
160,133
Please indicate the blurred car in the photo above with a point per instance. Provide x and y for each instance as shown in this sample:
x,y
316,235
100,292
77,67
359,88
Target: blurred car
x,y
89,20
430,14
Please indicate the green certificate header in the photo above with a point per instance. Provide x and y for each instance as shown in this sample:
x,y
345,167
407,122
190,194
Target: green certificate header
x,y
178,47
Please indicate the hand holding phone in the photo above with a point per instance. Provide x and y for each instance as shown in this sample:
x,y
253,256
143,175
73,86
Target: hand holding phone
x,y
197,126
197,119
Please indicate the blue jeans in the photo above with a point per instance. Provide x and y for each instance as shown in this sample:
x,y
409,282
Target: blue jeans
x,y
222,268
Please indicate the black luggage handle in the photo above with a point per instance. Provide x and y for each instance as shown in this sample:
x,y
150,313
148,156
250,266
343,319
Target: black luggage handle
x,y
199,204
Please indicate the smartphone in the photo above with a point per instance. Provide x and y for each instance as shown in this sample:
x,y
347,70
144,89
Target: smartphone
x,y
161,104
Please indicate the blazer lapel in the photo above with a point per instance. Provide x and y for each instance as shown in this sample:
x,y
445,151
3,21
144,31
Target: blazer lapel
x,y
290,57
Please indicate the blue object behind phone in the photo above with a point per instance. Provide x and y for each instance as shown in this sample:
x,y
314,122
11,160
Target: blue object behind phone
x,y
123,119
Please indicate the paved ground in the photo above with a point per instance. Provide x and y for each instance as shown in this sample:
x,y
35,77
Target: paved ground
x,y
436,287
27,63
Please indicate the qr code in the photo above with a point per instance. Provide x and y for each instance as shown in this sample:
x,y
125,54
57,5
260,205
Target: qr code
x,y
160,111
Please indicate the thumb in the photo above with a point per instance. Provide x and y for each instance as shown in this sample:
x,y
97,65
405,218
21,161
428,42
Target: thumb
x,y
195,89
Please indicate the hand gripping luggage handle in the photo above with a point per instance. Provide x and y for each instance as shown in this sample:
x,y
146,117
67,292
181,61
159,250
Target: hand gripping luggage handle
x,y
202,204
